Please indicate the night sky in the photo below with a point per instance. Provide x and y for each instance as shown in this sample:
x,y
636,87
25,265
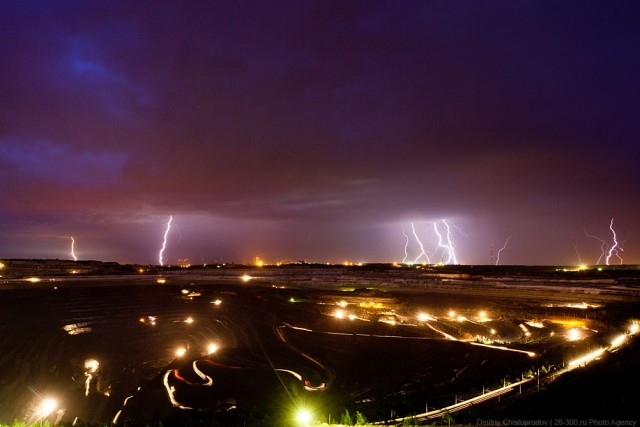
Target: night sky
x,y
319,131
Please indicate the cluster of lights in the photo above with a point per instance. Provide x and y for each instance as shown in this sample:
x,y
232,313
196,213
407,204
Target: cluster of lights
x,y
340,314
150,320
246,278
525,330
210,348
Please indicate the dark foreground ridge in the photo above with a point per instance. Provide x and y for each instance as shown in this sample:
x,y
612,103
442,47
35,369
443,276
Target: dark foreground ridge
x,y
234,345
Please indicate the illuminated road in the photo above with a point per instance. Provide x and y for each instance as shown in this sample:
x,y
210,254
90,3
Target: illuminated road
x,y
438,413
578,362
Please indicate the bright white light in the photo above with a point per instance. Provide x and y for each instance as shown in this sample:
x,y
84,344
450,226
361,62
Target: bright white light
x,y
619,340
181,351
461,319
587,358
246,278
189,320
32,279
633,329
339,314
212,348
342,304
352,317
91,365
303,416
47,407
452,313
216,302
534,324
574,334
423,317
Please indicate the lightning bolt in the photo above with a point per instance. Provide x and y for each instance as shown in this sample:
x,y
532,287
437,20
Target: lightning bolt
x,y
164,242
575,248
406,245
452,253
422,251
613,249
506,242
73,251
603,245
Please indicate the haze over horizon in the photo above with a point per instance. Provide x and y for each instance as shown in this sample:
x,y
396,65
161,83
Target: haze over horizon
x,y
319,130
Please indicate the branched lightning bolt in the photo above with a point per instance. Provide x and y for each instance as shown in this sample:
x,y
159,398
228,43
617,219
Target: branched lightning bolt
x,y
73,251
164,242
603,245
614,248
506,242
452,253
448,247
406,245
422,251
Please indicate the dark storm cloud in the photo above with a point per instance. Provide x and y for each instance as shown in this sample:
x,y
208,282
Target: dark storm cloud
x,y
355,117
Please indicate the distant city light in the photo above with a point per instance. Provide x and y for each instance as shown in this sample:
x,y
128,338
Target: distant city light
x,y
216,302
161,281
212,348
32,279
246,278
339,314
342,304
181,351
188,320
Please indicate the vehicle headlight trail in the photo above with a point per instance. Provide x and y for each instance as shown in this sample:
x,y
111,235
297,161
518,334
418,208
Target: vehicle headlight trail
x,y
164,241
